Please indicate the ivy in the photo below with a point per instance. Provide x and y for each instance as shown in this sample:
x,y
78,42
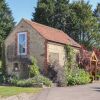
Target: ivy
x,y
70,56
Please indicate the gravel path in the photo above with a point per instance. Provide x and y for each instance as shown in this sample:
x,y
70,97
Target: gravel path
x,y
82,92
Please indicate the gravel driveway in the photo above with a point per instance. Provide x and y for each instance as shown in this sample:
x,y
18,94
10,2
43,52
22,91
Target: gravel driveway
x,y
82,92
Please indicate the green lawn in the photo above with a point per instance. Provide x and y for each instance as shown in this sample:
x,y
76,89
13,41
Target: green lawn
x,y
10,90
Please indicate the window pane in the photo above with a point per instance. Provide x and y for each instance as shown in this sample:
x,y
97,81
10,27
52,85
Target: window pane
x,y
22,43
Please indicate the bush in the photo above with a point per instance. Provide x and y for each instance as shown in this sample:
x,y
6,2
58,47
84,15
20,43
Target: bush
x,y
65,76
41,79
83,77
34,69
97,76
12,80
2,78
78,77
24,83
73,75
56,73
36,81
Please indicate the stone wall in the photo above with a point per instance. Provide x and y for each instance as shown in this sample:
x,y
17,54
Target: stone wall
x,y
57,49
59,52
36,48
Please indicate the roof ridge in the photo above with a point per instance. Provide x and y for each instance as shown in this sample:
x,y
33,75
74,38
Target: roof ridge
x,y
44,25
52,34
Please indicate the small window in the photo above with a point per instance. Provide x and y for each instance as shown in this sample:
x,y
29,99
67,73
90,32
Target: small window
x,y
16,67
22,43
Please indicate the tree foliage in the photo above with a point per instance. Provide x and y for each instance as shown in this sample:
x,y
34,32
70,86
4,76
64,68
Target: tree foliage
x,y
85,23
6,21
97,35
76,19
44,12
61,13
52,13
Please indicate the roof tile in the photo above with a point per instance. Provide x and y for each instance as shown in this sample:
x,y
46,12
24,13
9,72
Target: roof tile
x,y
52,34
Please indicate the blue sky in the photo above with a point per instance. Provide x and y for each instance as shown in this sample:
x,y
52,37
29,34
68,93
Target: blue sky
x,y
24,8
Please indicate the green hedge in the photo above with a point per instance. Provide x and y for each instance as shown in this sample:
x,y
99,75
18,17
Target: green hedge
x,y
36,81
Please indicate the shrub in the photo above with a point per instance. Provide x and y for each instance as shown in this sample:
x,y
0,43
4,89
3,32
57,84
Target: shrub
x,y
34,69
24,83
41,79
74,75
36,81
78,77
70,74
2,78
97,77
83,77
56,73
13,80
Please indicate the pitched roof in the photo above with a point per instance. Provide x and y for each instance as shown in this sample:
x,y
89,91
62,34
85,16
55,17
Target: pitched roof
x,y
52,34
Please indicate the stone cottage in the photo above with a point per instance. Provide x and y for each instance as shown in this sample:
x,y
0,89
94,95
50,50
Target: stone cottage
x,y
29,39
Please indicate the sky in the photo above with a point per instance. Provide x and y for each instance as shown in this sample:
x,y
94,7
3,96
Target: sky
x,y
24,8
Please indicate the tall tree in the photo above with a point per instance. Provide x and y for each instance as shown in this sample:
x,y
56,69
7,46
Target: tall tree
x,y
75,19
61,15
44,12
52,13
6,21
97,36
84,23
97,11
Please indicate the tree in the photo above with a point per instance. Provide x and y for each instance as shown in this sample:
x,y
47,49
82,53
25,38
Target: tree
x,y
76,19
61,15
44,12
97,35
6,25
6,21
97,11
52,13
84,23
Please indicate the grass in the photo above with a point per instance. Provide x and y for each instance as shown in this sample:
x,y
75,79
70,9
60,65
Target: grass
x,y
10,90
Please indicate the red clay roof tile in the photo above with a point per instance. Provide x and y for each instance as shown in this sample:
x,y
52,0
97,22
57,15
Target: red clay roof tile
x,y
52,34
